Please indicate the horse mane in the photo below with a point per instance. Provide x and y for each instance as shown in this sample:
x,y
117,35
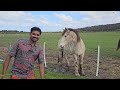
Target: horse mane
x,y
74,30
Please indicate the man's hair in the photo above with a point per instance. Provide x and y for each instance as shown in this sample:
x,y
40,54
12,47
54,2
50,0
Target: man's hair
x,y
36,29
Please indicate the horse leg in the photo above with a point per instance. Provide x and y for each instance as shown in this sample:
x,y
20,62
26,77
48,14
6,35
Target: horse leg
x,y
60,67
81,71
68,64
60,57
76,65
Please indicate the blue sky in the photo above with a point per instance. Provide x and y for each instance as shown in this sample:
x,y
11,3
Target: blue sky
x,y
50,21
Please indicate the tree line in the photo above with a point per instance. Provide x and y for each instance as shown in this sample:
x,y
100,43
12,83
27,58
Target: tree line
x,y
99,28
10,31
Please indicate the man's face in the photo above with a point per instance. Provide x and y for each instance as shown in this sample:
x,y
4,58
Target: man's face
x,y
34,36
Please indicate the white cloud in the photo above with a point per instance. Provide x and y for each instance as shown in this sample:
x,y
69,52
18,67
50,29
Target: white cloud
x,y
64,17
45,21
91,18
16,18
60,20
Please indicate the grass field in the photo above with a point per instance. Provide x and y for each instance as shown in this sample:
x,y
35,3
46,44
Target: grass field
x,y
106,40
48,74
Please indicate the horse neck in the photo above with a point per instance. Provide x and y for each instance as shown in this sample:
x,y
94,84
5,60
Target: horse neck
x,y
71,46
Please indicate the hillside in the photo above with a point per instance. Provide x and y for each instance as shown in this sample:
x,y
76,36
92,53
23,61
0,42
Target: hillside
x,y
107,27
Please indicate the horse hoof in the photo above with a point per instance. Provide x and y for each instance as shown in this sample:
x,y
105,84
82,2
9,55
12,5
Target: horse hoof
x,y
77,74
82,74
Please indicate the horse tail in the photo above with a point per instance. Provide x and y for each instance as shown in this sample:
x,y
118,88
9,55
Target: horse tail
x,y
118,46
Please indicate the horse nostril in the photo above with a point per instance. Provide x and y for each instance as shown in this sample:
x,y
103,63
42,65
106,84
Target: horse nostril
x,y
61,47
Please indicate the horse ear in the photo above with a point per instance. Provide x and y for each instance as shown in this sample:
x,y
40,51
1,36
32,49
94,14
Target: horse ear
x,y
65,28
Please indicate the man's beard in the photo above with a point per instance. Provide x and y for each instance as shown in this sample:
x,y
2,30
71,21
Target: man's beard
x,y
34,39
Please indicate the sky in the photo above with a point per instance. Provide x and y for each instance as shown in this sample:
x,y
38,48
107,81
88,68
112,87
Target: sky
x,y
54,21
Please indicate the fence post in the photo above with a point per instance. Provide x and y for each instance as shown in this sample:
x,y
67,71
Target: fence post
x,y
98,58
44,55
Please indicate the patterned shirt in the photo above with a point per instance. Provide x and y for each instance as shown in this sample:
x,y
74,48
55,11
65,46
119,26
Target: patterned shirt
x,y
25,55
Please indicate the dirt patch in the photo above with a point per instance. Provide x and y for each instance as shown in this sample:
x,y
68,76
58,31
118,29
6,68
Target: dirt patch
x,y
109,68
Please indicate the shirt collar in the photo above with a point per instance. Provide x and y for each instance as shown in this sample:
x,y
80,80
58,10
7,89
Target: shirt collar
x,y
31,43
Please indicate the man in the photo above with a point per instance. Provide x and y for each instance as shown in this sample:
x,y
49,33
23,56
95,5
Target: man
x,y
25,52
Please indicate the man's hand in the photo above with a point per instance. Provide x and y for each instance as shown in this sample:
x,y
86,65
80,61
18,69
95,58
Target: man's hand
x,y
2,76
41,67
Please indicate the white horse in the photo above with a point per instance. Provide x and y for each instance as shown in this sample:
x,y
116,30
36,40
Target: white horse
x,y
71,43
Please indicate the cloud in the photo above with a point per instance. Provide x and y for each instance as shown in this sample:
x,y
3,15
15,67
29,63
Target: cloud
x,y
57,20
64,17
16,18
45,22
91,18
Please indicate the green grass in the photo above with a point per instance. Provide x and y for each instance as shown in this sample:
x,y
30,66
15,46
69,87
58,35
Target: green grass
x,y
53,75
106,40
8,71
48,74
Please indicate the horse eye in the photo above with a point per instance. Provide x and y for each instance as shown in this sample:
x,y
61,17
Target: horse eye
x,y
65,36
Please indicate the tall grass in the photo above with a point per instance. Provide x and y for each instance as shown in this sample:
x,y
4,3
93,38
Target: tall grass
x,y
106,40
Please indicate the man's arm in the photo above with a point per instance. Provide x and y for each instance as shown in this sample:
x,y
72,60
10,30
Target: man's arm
x,y
5,65
41,68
